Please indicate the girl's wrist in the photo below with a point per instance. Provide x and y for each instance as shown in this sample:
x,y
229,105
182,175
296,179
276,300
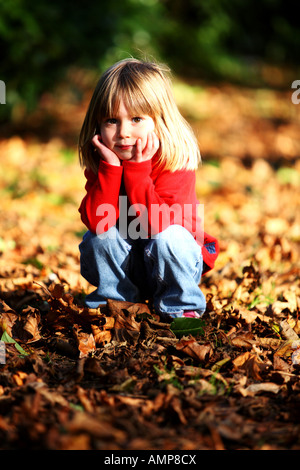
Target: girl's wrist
x,y
112,161
105,153
147,153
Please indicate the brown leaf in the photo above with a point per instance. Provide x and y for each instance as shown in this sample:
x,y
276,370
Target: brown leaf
x,y
126,328
57,290
127,321
244,340
287,331
296,357
19,378
88,364
84,400
251,363
86,343
285,349
101,336
109,323
116,307
8,318
177,407
280,365
200,352
263,387
30,323
94,426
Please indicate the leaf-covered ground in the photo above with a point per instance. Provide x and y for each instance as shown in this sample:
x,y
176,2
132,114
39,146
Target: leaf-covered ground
x,y
120,378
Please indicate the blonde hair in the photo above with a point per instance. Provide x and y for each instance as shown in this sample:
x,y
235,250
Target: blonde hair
x,y
145,89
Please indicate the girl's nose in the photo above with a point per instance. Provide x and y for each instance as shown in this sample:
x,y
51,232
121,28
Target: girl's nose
x,y
124,130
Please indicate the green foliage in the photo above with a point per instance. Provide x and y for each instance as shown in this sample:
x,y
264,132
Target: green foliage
x,y
224,39
8,339
41,40
167,376
187,326
212,38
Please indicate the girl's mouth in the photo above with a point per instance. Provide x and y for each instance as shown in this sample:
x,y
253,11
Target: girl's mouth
x,y
125,147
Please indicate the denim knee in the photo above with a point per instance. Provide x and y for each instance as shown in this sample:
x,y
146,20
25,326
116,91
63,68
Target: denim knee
x,y
174,262
96,250
173,241
174,253
102,245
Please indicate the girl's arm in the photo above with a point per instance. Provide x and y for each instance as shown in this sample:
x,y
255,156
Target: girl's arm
x,y
99,208
165,197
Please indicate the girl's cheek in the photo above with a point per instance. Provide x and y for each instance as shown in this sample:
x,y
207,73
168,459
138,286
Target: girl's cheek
x,y
151,127
144,142
106,140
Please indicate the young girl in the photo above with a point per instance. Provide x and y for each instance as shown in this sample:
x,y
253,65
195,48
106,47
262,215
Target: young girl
x,y
145,239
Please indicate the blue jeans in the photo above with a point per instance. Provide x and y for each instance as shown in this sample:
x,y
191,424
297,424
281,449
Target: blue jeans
x,y
166,268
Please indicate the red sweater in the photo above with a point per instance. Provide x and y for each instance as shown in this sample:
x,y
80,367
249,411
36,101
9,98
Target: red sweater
x,y
164,197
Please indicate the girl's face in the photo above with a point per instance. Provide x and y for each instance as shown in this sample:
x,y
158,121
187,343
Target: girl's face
x,y
120,132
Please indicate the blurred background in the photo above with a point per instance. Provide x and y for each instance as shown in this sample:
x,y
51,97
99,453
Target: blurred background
x,y
46,45
233,65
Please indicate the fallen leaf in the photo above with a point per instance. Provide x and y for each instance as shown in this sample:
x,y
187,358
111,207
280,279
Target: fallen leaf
x,y
20,378
27,329
125,328
86,343
251,363
8,318
287,331
268,387
200,352
94,427
242,340
187,326
285,349
101,336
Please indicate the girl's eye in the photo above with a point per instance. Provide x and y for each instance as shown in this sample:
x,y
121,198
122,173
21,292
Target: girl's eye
x,y
110,121
113,121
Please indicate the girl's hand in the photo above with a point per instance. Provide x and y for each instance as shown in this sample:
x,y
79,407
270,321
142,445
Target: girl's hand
x,y
150,149
104,152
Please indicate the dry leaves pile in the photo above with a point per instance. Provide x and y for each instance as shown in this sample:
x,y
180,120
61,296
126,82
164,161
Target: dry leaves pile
x,y
119,377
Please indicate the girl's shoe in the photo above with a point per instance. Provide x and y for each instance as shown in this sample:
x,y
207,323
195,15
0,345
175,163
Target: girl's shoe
x,y
185,314
191,314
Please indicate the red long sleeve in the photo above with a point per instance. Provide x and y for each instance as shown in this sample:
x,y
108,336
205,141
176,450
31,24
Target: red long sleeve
x,y
102,190
158,197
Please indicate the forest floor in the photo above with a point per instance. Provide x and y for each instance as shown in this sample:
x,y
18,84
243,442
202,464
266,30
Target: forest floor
x,y
120,378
